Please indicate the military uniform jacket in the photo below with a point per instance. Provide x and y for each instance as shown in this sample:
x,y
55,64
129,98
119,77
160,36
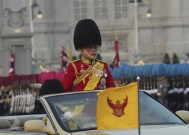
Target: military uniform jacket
x,y
83,74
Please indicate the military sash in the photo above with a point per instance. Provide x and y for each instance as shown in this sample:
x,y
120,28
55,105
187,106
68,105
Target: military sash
x,y
94,71
96,75
81,77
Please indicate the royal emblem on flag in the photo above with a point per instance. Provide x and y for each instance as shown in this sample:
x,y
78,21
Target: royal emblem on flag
x,y
118,107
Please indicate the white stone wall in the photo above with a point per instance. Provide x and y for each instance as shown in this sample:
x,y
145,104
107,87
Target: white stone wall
x,y
166,31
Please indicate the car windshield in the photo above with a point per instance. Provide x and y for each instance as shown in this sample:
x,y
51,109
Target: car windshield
x,y
77,111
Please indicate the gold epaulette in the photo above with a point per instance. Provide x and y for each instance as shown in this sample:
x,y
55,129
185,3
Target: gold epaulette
x,y
75,61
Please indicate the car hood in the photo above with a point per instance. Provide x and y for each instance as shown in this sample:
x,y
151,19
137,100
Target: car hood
x,y
145,130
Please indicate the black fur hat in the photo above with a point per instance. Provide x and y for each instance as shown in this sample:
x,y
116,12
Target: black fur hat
x,y
86,33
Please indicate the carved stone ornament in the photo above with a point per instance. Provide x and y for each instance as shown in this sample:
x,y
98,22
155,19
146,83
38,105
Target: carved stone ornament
x,y
15,19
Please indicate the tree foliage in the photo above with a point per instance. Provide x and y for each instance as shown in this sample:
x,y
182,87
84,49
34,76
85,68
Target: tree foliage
x,y
166,59
175,59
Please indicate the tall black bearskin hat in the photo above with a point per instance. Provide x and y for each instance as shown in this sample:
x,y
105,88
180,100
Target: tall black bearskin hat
x,y
86,33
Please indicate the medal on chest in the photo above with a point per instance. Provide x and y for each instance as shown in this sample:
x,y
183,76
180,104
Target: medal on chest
x,y
82,68
103,83
98,71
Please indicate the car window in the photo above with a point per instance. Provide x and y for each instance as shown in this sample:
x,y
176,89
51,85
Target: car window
x,y
154,113
76,112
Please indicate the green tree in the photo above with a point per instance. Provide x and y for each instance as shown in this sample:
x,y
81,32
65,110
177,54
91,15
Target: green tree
x,y
166,59
98,57
80,55
74,58
187,54
175,59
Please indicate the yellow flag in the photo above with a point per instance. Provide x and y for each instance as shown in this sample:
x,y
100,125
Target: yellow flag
x,y
117,108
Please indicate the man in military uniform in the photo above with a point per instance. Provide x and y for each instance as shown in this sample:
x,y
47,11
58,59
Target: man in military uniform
x,y
87,73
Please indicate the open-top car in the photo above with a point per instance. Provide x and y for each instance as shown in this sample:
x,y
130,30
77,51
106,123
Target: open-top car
x,y
75,114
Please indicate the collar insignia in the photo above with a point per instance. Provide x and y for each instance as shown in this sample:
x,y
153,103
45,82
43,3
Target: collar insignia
x,y
88,62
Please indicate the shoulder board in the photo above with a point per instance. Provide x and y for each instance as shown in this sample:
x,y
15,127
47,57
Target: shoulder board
x,y
75,61
101,61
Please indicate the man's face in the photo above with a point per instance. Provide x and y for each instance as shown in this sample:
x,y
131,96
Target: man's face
x,y
89,52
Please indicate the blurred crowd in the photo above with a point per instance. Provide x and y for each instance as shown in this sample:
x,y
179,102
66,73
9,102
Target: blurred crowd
x,y
18,93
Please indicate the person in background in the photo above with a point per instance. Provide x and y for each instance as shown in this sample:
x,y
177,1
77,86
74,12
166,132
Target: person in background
x,y
51,86
87,73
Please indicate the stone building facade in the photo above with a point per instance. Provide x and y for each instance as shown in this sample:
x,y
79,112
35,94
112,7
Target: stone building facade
x,y
38,41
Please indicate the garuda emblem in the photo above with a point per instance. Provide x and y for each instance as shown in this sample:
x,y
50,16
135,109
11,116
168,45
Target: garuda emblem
x,y
118,108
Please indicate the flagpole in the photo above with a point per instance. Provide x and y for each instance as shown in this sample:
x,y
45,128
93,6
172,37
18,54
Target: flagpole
x,y
136,26
138,86
31,27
